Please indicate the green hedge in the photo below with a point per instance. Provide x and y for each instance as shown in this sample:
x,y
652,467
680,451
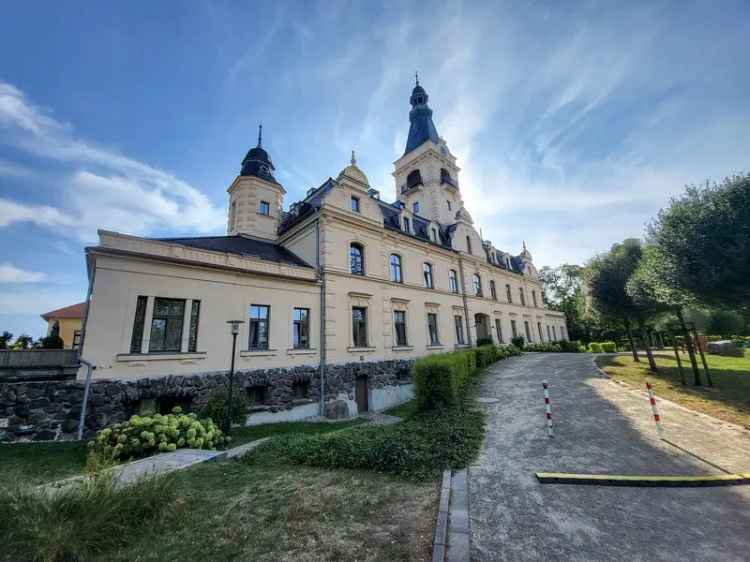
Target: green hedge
x,y
439,380
603,347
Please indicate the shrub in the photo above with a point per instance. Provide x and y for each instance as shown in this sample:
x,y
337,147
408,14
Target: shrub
x,y
484,341
145,435
570,346
547,347
609,347
595,347
216,407
518,341
486,355
419,447
79,521
52,342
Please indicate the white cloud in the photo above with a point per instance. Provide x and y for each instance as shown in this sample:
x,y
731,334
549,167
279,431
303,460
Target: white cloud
x,y
107,189
12,274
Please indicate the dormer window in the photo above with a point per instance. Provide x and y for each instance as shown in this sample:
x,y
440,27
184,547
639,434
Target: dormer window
x,y
415,206
433,235
355,204
449,205
264,208
413,179
407,226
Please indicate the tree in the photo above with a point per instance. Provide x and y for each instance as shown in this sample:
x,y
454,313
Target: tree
x,y
563,291
606,278
704,239
5,340
652,278
51,342
22,342
725,323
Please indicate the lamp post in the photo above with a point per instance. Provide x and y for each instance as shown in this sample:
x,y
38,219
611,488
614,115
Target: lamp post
x,y
234,326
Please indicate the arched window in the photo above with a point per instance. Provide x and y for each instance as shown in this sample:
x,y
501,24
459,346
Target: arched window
x,y
357,259
477,285
493,291
396,275
427,272
413,179
453,281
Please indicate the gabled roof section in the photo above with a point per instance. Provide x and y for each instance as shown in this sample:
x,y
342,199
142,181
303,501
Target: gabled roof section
x,y
241,245
72,311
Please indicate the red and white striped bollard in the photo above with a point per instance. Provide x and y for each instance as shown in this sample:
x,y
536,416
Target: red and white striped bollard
x,y
652,400
547,408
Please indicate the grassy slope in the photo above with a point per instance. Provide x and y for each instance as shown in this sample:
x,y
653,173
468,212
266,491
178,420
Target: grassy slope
x,y
251,433
728,400
42,462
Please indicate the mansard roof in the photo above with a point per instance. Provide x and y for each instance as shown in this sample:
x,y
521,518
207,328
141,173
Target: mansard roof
x,y
242,245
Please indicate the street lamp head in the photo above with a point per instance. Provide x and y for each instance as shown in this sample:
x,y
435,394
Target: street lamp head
x,y
234,326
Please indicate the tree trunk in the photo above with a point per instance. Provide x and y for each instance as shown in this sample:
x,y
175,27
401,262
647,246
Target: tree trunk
x,y
647,345
689,343
632,343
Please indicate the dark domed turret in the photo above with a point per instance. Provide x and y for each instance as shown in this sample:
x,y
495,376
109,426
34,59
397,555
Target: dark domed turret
x,y
422,128
257,162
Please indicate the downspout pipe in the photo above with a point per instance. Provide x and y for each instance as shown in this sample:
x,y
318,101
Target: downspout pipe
x,y
322,338
466,302
86,389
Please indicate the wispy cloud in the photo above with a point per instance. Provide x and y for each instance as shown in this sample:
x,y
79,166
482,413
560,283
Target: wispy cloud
x,y
106,189
12,274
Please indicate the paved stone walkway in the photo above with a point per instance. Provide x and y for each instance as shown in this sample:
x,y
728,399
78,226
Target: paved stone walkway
x,y
600,427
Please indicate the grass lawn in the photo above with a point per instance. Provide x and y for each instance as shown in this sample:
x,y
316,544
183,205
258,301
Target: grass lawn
x,y
241,511
37,463
728,400
246,434
405,410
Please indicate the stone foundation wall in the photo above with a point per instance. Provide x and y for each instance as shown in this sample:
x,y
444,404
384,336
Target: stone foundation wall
x,y
50,410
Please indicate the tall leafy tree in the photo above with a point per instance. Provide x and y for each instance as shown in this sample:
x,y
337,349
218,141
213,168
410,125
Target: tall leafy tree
x,y
606,278
563,291
703,238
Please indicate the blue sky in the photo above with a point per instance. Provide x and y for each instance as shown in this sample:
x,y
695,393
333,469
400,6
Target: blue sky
x,y
574,123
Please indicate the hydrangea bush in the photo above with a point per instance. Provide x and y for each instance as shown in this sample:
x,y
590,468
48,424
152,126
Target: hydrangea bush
x,y
142,436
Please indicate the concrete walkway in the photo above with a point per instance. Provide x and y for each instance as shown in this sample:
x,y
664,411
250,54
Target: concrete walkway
x,y
603,428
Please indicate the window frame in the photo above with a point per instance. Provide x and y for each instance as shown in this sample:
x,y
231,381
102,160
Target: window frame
x,y
499,330
254,330
458,323
477,284
428,275
407,225
533,297
297,325
264,208
396,269
433,334
358,325
361,249
468,245
522,293
527,331
139,324
509,293
514,328
194,325
493,290
401,338
178,320
354,204
453,281
415,207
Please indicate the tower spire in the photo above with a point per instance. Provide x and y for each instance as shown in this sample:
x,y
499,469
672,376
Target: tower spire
x,y
416,75
354,160
422,128
260,135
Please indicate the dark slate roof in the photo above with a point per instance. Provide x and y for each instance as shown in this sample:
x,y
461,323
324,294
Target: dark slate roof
x,y
303,209
243,246
422,128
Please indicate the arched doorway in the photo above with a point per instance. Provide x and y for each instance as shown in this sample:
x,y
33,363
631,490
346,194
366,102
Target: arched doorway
x,y
482,323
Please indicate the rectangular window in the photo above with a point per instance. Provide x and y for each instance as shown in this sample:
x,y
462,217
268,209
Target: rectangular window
x,y
301,390
527,330
432,327
76,339
509,294
355,204
257,395
493,291
533,297
195,312
407,227
513,328
468,244
449,205
415,207
453,281
549,334
459,321
523,297
166,325
539,328
136,341
554,332
259,325
301,328
359,326
399,325
264,208
499,330
427,271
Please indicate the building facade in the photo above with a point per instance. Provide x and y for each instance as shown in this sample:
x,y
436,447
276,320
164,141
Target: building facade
x,y
66,323
340,278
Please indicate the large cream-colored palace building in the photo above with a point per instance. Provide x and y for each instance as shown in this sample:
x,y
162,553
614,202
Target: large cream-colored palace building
x,y
340,277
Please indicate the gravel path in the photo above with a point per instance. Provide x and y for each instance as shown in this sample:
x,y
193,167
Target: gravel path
x,y
600,427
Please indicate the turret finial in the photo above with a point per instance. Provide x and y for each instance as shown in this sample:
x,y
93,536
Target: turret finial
x,y
354,160
260,134
416,75
524,246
